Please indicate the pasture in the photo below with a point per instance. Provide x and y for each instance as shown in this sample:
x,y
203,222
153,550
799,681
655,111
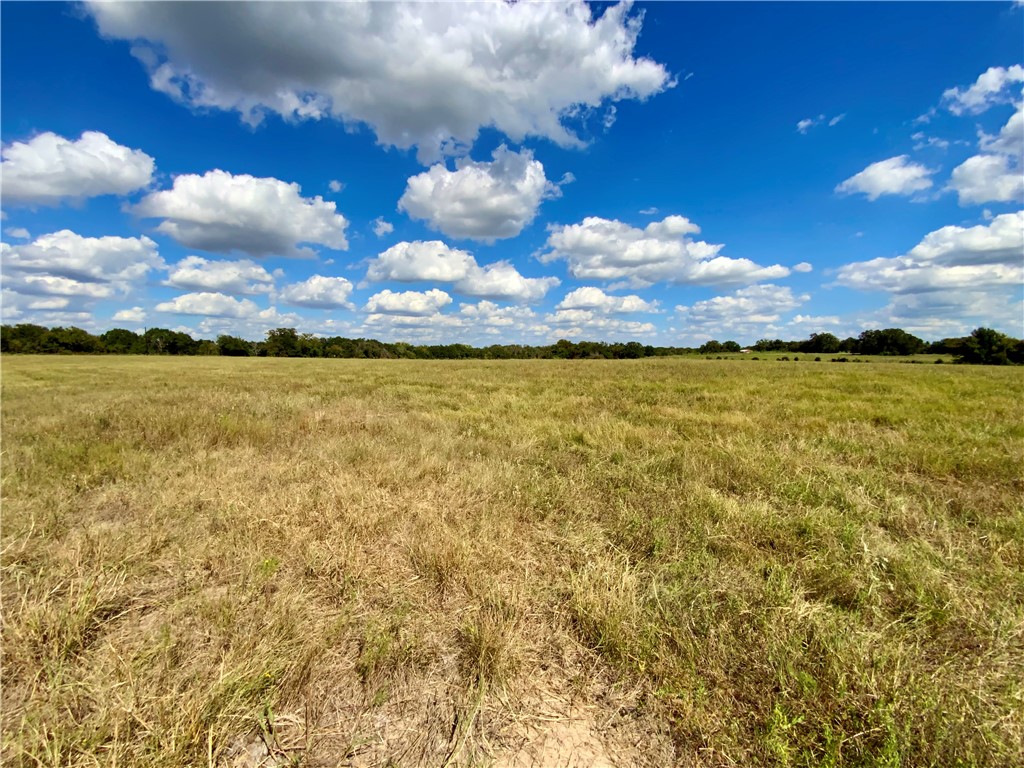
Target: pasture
x,y
241,562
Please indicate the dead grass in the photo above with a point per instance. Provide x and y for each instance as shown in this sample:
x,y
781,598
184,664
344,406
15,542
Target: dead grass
x,y
521,563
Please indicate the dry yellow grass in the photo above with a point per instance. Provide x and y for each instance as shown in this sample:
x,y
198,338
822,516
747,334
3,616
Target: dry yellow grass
x,y
336,562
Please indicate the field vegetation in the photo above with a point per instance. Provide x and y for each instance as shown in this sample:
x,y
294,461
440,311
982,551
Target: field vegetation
x,y
665,561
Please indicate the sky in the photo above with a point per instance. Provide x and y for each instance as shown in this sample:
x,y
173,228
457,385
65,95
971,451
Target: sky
x,y
514,173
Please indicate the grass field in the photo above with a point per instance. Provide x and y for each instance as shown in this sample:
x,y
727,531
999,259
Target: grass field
x,y
244,562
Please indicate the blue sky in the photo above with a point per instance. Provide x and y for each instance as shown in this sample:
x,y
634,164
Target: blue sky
x,y
667,172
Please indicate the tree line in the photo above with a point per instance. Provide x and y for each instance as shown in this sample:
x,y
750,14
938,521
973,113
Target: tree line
x,y
982,346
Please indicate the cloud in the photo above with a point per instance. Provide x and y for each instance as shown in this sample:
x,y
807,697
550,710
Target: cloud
x,y
60,286
803,266
609,117
501,280
949,259
895,176
197,273
49,169
586,313
649,211
421,260
48,311
923,141
335,186
259,216
482,323
1010,140
210,304
485,201
987,178
592,324
607,249
923,119
991,87
319,292
995,175
490,314
433,260
249,325
408,302
132,315
591,298
381,227
419,74
743,313
64,259
937,314
810,122
19,233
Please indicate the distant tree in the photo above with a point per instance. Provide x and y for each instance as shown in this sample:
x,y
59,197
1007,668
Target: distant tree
x,y
712,347
23,337
310,346
282,342
121,341
986,346
770,345
233,346
731,346
563,349
71,339
890,341
849,345
632,351
821,343
159,341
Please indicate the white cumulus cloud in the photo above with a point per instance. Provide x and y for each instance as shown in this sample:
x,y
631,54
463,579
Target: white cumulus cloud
x,y
591,298
996,175
408,302
743,313
223,213
130,315
49,169
991,87
419,74
485,201
592,324
199,274
96,264
1010,140
210,304
894,176
433,260
608,249
952,258
987,178
381,227
319,292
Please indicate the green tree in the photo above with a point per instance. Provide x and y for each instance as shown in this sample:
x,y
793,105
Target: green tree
x,y
121,341
825,343
233,346
71,339
986,346
890,341
282,342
